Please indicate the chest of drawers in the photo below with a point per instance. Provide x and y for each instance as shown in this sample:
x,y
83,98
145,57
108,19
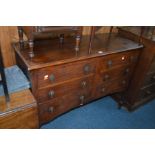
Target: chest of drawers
x,y
70,80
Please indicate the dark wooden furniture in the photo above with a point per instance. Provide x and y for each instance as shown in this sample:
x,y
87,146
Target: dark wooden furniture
x,y
142,86
22,112
3,78
63,79
33,31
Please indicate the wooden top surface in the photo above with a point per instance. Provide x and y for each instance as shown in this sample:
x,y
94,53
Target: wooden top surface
x,y
18,100
49,52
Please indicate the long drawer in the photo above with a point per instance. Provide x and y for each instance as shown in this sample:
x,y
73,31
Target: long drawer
x,y
83,84
51,109
112,61
57,74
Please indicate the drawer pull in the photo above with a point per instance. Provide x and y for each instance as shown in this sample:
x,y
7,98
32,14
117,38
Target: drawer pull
x,y
106,77
52,77
51,94
110,63
126,71
50,109
82,99
83,84
103,90
124,82
87,68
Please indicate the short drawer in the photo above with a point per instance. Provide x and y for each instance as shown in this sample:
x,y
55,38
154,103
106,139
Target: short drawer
x,y
147,92
112,74
111,87
58,74
51,109
81,85
115,60
150,79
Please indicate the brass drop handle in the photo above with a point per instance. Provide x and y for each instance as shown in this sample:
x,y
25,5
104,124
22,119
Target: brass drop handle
x,y
50,109
83,84
51,94
124,82
103,90
106,77
127,71
82,99
110,63
52,78
87,68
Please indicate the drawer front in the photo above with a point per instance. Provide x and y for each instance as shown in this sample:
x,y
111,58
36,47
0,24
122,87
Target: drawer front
x,y
111,87
51,109
58,74
80,85
150,79
115,60
147,92
112,74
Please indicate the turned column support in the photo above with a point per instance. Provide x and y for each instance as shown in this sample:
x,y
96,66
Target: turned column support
x,y
20,33
31,46
78,39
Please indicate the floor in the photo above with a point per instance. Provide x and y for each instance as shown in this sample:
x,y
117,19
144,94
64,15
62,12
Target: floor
x,y
103,114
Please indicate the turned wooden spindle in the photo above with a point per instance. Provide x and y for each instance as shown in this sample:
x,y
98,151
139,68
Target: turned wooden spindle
x,y
92,34
77,44
20,33
31,46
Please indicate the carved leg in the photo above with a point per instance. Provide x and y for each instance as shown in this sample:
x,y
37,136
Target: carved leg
x,y
20,33
31,45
